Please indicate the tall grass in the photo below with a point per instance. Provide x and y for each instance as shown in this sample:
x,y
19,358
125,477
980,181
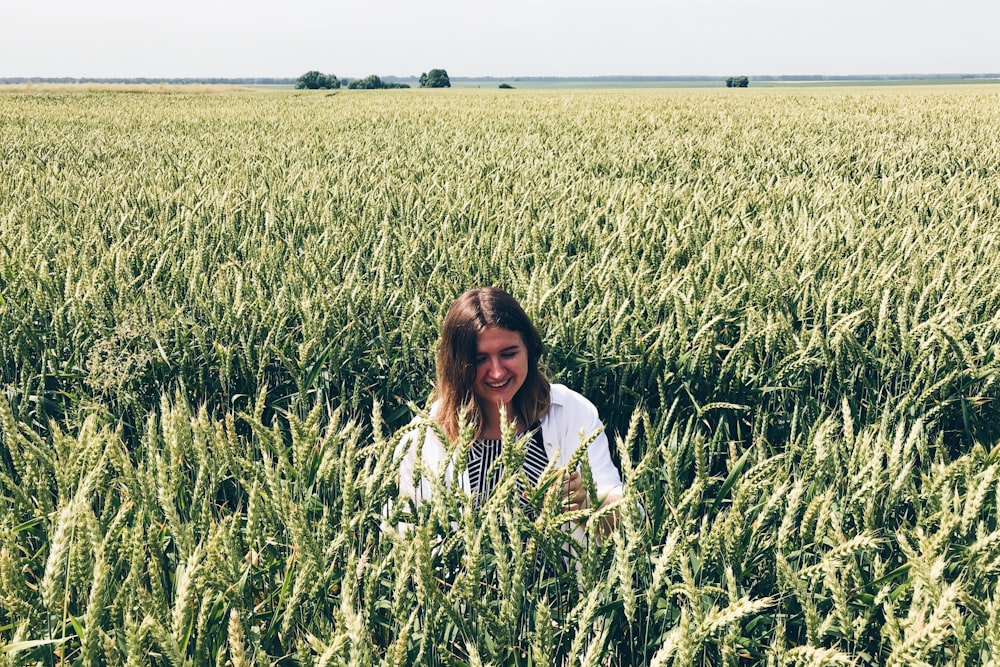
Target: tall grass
x,y
217,311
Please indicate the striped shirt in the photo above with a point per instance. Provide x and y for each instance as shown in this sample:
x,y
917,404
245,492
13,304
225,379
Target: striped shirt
x,y
484,454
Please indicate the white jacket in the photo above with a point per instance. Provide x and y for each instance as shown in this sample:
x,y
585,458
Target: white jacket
x,y
571,420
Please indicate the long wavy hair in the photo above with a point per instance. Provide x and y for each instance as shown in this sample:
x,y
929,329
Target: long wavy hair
x,y
470,314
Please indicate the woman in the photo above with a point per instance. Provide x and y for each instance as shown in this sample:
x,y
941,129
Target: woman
x,y
488,370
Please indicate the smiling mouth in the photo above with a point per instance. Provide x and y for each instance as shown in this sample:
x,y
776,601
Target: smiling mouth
x,y
500,385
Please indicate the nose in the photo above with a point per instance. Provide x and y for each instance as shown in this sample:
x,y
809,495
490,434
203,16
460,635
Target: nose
x,y
494,367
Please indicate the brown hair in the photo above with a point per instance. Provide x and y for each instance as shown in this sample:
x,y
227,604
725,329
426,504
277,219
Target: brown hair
x,y
469,314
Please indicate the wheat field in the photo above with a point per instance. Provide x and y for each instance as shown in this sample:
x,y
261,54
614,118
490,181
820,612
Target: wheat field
x,y
219,311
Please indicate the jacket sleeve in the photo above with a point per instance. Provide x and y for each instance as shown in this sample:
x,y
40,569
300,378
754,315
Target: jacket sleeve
x,y
579,421
407,448
404,453
419,441
606,477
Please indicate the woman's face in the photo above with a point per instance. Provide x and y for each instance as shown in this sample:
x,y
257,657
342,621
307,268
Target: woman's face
x,y
501,366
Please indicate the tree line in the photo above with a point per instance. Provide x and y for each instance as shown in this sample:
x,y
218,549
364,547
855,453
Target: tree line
x,y
315,80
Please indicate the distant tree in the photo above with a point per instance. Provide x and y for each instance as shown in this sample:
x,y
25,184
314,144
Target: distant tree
x,y
505,86
372,82
313,80
436,78
737,82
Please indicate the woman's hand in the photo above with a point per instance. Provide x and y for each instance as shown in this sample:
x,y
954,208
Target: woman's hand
x,y
574,495
576,498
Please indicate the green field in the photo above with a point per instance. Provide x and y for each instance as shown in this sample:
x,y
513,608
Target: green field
x,y
218,310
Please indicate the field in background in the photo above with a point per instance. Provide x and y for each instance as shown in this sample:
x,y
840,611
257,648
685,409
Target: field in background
x,y
529,83
216,309
666,83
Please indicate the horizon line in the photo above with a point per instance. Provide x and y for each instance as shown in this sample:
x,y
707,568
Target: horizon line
x,y
536,77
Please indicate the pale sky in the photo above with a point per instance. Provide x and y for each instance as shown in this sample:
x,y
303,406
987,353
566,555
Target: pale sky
x,y
354,38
